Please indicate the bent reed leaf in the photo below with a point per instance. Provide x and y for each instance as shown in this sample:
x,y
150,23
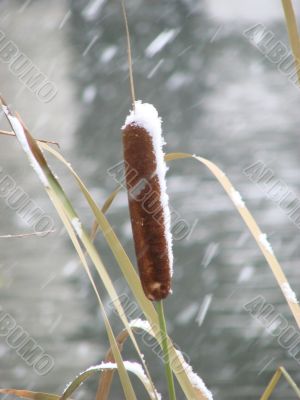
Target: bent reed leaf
x,y
138,324
131,277
259,237
69,216
130,366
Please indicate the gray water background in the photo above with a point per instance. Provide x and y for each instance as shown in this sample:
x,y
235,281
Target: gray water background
x,y
219,97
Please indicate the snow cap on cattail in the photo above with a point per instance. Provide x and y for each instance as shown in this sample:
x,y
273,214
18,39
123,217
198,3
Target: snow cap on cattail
x,y
145,170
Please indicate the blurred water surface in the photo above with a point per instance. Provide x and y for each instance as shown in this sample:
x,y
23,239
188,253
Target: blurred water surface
x,y
219,97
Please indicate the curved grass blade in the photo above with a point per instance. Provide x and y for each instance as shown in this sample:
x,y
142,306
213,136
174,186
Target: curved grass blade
x,y
91,250
252,226
244,212
133,281
27,394
281,371
106,377
67,213
108,366
128,390
138,324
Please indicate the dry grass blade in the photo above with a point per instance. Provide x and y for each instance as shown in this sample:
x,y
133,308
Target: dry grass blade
x,y
109,366
128,53
25,235
252,226
114,346
9,133
292,32
132,279
106,377
104,209
70,219
26,394
91,250
281,371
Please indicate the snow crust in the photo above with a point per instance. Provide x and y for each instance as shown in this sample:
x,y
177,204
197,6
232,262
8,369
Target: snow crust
x,y
19,131
289,293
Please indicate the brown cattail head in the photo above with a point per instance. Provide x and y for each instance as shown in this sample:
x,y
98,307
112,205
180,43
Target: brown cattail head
x,y
145,170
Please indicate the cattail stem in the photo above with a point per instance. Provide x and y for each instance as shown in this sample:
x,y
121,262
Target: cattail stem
x,y
164,343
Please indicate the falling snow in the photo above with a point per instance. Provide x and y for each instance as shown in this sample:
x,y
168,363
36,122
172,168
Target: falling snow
x,y
204,309
160,42
108,54
93,9
210,252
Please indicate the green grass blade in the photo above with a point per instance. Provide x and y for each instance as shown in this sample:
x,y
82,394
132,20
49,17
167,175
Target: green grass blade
x,y
290,381
272,385
164,344
281,371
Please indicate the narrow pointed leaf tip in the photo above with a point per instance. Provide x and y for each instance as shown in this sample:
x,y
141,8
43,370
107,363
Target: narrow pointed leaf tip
x,y
146,169
34,154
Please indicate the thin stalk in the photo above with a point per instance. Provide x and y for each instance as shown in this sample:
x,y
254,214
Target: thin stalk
x,y
272,385
164,343
281,371
129,56
290,381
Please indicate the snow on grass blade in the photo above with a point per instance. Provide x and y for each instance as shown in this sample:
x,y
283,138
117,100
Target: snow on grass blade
x,y
131,277
67,214
106,377
128,390
36,159
197,382
260,238
27,394
91,250
130,366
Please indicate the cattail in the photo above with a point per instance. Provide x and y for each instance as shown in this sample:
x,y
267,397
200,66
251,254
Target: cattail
x,y
145,170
